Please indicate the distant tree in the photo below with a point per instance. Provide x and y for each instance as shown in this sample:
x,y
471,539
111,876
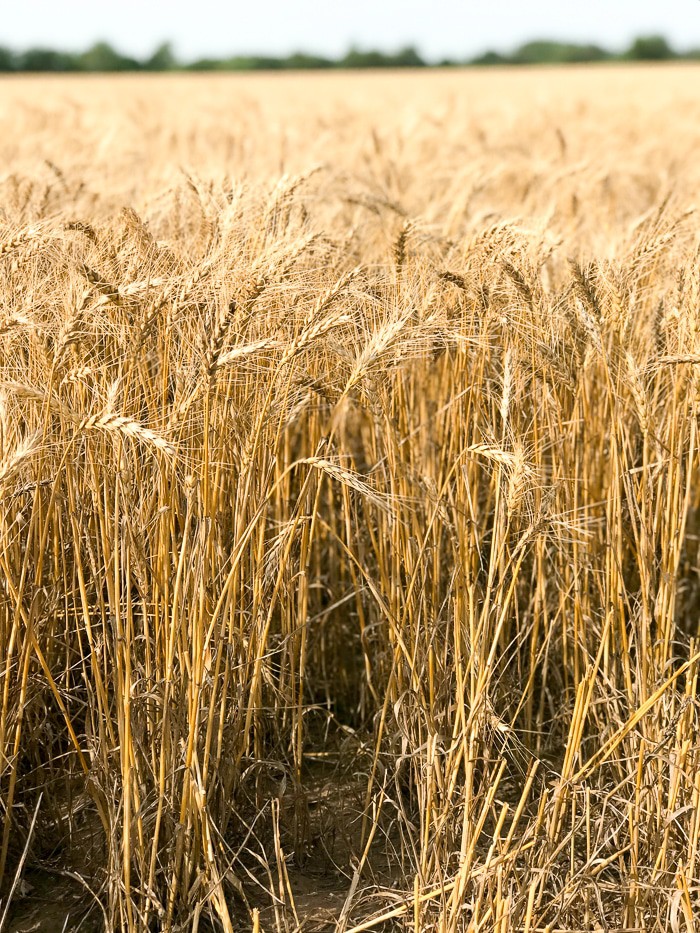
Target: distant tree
x,y
8,59
204,64
162,59
102,57
545,52
302,60
650,49
537,52
41,59
252,63
489,58
406,57
585,53
354,58
266,63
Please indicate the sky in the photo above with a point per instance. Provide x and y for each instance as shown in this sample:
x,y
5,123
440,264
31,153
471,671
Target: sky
x,y
439,28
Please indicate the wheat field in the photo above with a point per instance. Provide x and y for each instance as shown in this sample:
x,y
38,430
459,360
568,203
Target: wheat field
x,y
349,502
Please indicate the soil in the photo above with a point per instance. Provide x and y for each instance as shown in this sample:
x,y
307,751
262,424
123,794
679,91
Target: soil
x,y
51,902
319,828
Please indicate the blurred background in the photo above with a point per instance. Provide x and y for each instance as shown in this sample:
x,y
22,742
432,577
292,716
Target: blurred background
x,y
274,34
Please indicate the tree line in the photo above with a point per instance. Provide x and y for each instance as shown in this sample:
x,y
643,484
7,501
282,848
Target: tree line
x,y
102,57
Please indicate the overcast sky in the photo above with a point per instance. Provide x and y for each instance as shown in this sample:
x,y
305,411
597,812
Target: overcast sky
x,y
438,27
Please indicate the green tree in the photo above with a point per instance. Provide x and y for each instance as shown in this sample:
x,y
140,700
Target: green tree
x,y
40,59
102,57
586,53
303,60
162,59
650,49
204,64
489,58
543,52
252,63
407,57
354,58
8,59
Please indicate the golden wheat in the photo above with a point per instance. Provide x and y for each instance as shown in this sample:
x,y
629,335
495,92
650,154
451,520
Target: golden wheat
x,y
350,510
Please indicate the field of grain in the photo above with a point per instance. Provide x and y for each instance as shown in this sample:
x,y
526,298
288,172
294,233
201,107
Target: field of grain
x,y
349,502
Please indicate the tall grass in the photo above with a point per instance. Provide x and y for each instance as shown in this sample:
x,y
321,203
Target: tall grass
x,y
349,531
